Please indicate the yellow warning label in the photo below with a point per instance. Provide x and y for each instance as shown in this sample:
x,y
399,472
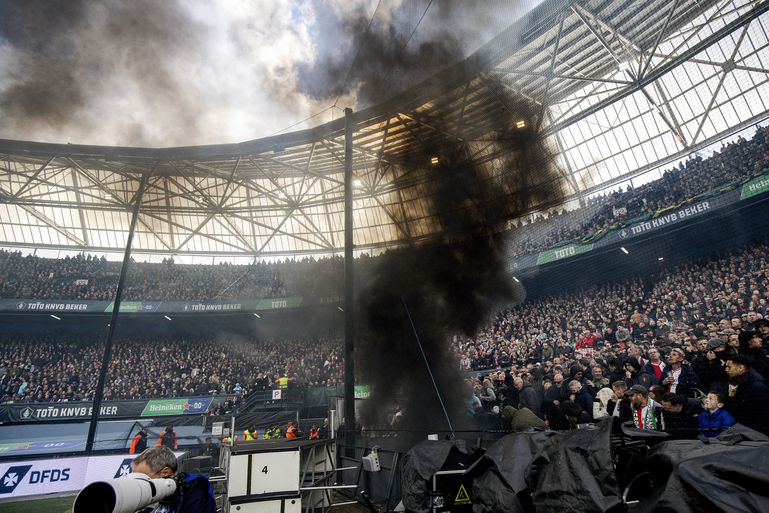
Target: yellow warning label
x,y
462,496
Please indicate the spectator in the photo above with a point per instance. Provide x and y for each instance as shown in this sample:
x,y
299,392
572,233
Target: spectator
x,y
522,419
139,442
645,413
714,419
748,396
581,396
710,366
679,378
679,415
168,438
756,353
527,397
635,374
619,404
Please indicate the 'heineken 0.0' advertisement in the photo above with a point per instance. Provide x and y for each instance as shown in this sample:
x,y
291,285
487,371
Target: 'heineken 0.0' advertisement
x,y
183,406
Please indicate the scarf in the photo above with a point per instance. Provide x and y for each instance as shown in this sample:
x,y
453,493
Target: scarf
x,y
643,418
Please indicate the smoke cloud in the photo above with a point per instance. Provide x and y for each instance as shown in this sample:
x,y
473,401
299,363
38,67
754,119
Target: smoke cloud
x,y
131,48
177,73
371,58
150,73
453,284
449,286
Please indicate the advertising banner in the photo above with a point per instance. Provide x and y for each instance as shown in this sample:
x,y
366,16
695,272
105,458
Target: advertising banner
x,y
274,304
110,410
755,187
203,306
570,250
52,305
37,446
163,307
362,392
670,217
68,411
176,407
41,477
135,306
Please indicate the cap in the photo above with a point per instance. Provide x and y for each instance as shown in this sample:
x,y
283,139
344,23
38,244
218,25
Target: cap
x,y
715,342
637,389
727,332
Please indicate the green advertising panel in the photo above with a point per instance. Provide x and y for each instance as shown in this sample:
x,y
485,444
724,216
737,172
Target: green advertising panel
x,y
274,304
362,391
570,250
182,406
135,306
755,187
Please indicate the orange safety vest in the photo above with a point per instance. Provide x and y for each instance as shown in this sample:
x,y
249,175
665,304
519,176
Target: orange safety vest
x,y
136,445
291,432
314,434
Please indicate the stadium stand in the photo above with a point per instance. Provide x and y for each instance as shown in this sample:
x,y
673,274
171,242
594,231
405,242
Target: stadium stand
x,y
708,312
94,278
55,369
735,161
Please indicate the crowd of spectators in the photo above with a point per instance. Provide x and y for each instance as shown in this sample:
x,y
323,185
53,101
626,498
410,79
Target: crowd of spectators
x,y
558,361
735,160
64,368
567,360
87,277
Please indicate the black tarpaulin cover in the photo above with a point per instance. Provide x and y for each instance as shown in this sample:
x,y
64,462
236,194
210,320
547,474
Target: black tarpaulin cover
x,y
574,472
501,486
695,477
419,465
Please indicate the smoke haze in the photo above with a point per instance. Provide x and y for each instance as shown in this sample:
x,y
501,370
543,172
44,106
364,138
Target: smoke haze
x,y
175,73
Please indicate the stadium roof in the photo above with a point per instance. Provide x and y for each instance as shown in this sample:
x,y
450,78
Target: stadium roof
x,y
617,86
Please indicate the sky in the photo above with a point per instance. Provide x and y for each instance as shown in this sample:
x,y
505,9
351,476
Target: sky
x,y
169,73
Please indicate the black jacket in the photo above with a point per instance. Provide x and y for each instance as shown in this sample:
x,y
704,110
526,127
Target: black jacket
x,y
684,423
750,403
528,399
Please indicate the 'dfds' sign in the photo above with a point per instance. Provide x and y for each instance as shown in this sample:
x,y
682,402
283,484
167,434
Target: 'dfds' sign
x,y
18,480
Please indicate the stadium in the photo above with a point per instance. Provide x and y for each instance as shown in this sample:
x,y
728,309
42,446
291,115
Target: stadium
x,y
531,278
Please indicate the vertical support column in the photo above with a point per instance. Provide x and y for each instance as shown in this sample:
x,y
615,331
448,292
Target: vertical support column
x,y
113,320
349,346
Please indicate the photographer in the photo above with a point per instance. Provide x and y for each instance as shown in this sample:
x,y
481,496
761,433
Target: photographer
x,y
193,494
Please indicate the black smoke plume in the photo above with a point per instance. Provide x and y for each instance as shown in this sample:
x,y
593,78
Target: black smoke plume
x,y
451,284
382,63
377,57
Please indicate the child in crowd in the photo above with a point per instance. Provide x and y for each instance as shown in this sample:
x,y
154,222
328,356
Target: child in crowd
x,y
714,419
